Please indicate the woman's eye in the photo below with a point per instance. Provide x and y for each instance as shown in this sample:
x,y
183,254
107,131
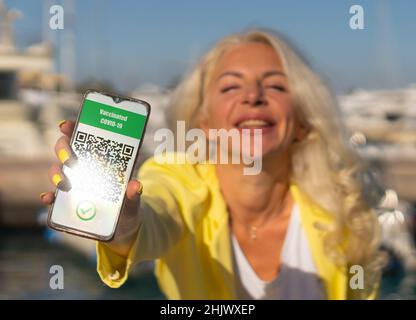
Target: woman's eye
x,y
229,88
277,88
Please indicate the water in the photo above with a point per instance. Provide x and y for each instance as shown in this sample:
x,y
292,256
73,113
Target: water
x,y
26,257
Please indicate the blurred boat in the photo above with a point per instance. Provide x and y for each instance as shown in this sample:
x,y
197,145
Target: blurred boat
x,y
30,107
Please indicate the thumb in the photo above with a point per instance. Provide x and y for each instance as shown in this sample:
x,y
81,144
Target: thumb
x,y
132,192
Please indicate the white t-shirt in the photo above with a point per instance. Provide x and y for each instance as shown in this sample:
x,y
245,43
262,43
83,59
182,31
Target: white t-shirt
x,y
297,279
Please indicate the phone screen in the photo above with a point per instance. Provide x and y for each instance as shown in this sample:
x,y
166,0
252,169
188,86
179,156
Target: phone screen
x,y
105,141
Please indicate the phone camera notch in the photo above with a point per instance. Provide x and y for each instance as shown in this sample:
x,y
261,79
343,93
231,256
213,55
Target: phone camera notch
x,y
117,99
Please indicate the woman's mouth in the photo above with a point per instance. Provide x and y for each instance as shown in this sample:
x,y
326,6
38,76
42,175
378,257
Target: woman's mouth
x,y
265,125
254,123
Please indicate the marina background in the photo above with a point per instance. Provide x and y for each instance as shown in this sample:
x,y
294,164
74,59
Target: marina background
x,y
142,49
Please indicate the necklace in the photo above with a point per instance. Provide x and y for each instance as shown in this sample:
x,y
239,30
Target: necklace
x,y
253,232
253,229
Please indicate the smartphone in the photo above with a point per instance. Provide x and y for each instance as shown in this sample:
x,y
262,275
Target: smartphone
x,y
106,141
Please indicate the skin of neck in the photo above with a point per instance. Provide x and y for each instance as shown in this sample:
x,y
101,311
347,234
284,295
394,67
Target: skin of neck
x,y
253,199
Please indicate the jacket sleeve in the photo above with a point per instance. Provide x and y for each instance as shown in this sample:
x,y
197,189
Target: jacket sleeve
x,y
160,228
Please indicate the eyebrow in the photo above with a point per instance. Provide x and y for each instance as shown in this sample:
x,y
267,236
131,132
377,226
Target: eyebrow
x,y
240,75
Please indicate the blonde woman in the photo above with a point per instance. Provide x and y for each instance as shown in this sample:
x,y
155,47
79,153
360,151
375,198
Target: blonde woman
x,y
293,231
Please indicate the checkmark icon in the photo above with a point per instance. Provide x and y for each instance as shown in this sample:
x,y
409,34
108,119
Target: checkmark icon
x,y
85,210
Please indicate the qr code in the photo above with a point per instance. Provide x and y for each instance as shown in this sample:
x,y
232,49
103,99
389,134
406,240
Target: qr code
x,y
103,164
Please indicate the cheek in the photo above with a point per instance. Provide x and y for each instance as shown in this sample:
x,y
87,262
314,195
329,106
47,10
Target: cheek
x,y
217,112
286,123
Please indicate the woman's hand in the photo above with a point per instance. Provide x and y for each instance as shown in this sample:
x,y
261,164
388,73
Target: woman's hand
x,y
129,218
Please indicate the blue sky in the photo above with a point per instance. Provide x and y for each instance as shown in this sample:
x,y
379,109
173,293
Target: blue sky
x,y
131,42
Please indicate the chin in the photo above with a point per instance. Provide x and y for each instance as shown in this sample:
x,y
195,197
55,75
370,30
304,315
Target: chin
x,y
274,149
259,150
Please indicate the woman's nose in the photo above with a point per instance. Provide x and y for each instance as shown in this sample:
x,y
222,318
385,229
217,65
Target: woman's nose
x,y
254,95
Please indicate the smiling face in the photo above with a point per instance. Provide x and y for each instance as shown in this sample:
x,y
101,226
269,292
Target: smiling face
x,y
249,90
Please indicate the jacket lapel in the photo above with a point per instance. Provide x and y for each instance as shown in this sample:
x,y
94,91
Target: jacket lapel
x,y
334,276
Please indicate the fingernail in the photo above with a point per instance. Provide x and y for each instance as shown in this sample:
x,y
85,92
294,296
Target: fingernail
x,y
63,155
56,178
42,195
140,191
60,123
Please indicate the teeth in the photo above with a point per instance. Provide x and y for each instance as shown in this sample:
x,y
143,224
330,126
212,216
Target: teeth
x,y
253,123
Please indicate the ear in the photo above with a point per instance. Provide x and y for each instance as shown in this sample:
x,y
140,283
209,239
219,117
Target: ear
x,y
301,132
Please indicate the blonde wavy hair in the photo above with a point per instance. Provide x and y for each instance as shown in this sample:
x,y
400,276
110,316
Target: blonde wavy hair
x,y
323,164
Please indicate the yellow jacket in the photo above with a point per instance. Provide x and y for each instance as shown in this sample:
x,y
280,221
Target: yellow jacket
x,y
185,229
